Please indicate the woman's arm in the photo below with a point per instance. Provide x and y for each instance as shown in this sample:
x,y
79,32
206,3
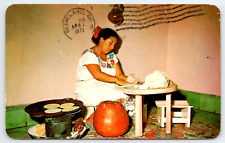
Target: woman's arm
x,y
119,72
96,72
130,78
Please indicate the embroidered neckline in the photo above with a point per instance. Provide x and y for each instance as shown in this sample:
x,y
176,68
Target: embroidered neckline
x,y
109,63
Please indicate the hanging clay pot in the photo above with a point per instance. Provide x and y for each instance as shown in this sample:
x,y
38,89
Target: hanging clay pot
x,y
110,119
116,14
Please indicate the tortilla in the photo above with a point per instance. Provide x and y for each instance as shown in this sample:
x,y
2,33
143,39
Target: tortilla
x,y
40,130
66,105
53,110
70,109
50,106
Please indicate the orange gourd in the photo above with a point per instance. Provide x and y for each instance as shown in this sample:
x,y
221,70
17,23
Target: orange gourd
x,y
110,119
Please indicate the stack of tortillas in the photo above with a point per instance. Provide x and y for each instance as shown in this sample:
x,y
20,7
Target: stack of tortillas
x,y
52,108
55,108
66,107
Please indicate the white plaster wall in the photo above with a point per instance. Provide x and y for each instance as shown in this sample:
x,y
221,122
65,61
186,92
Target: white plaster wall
x,y
41,60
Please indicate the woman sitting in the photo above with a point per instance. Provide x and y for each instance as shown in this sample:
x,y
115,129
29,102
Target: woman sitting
x,y
99,74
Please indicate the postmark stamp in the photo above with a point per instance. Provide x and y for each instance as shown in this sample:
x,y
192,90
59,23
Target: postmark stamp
x,y
77,21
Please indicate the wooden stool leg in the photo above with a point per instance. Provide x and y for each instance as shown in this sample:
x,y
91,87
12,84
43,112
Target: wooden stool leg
x,y
189,117
138,116
168,113
159,112
162,117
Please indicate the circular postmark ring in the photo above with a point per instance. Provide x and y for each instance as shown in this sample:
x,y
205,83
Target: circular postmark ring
x,y
77,21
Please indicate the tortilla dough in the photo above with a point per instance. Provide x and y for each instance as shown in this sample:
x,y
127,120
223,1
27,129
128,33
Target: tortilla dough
x,y
53,110
50,106
66,105
70,109
156,79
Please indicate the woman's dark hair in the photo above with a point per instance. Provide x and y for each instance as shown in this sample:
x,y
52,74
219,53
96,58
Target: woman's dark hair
x,y
105,34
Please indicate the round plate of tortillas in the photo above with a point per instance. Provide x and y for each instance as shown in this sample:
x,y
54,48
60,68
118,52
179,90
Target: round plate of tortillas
x,y
38,109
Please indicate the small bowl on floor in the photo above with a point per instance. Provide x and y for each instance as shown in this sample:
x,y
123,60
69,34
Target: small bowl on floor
x,y
32,133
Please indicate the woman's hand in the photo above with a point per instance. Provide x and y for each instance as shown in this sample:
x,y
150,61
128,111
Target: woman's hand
x,y
131,79
122,82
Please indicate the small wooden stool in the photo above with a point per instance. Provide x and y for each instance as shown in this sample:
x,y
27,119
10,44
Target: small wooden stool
x,y
182,116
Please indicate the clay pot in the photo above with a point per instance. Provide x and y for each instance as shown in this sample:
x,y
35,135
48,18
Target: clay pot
x,y
110,119
116,17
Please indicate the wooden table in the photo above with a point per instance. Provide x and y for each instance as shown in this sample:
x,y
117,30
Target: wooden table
x,y
138,101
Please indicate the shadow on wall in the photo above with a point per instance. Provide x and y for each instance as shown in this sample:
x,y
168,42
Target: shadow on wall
x,y
117,48
118,45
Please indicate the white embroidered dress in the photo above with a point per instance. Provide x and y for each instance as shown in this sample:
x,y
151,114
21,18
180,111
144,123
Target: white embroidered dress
x,y
91,91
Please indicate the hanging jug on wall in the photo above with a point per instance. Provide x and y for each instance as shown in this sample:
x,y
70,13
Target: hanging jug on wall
x,y
116,14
